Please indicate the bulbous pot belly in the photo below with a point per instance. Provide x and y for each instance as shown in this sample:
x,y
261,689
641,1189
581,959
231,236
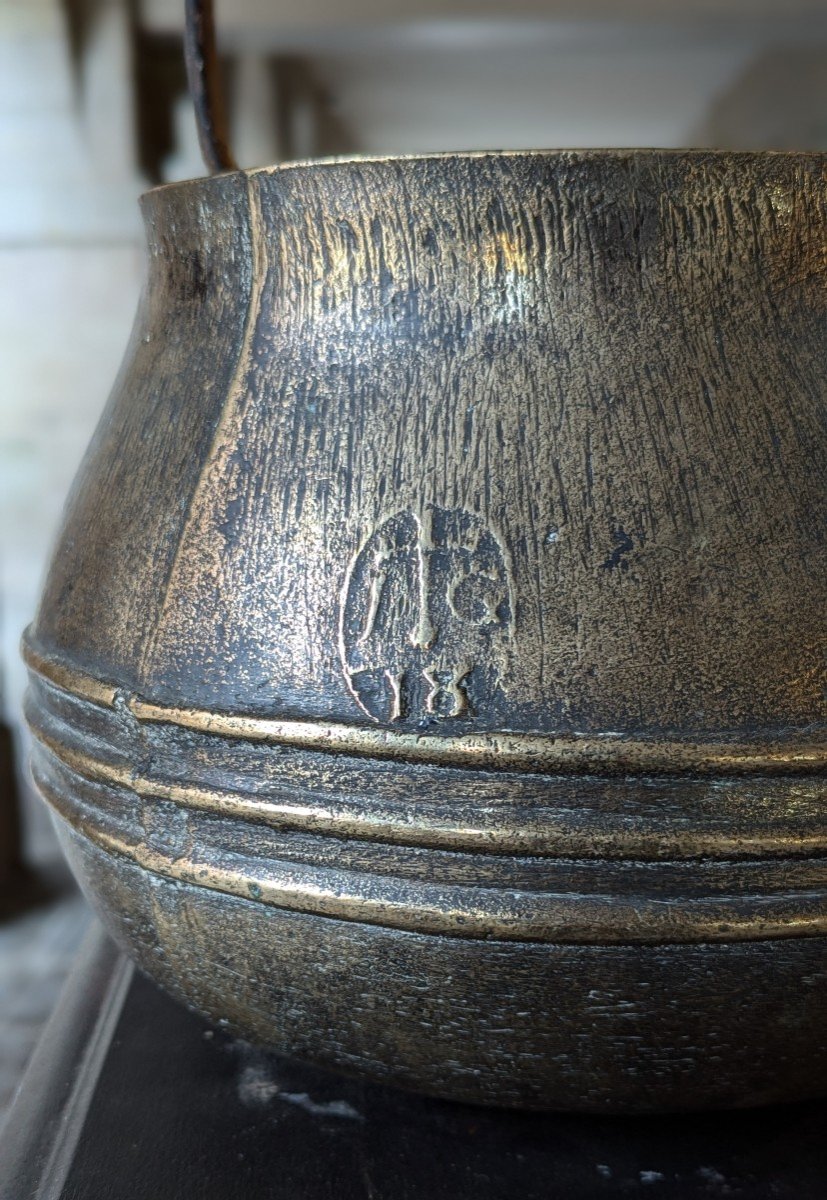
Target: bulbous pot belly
x,y
430,676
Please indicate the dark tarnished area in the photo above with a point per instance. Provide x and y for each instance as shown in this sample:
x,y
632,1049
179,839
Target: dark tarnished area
x,y
430,678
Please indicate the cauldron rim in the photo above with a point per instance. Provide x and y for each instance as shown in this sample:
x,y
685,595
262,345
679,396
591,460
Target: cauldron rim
x,y
564,156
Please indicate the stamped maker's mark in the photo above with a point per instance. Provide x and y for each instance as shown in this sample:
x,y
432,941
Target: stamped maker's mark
x,y
425,616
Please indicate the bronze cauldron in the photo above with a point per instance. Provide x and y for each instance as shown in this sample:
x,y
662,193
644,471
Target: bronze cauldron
x,y
430,677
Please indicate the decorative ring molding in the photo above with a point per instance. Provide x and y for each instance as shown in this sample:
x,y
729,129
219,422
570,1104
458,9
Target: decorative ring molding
x,y
467,912
607,754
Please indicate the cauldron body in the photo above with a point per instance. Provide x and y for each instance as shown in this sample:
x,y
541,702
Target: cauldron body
x,y
429,680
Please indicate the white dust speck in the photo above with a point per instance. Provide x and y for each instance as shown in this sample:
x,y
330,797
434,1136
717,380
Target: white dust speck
x,y
326,1108
257,1087
710,1175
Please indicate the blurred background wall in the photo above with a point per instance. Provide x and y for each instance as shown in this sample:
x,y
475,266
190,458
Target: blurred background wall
x,y
93,110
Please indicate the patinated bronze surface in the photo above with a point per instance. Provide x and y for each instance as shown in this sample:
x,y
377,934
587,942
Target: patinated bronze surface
x,y
430,677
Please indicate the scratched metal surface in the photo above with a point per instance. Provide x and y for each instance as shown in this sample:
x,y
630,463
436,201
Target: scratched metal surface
x,y
430,676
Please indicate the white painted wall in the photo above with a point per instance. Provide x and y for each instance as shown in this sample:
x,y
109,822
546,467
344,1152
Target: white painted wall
x,y
70,269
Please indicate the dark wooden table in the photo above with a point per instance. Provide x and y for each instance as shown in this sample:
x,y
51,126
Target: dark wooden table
x,y
130,1097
